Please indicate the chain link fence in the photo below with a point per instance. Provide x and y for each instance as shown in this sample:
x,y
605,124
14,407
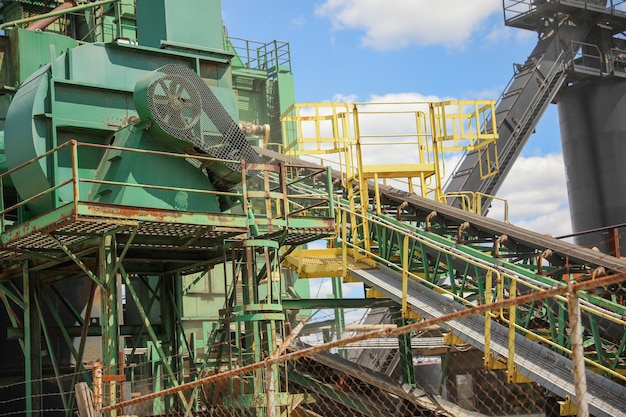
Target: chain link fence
x,y
386,367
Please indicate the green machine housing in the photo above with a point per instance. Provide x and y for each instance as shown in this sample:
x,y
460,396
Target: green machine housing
x,y
150,75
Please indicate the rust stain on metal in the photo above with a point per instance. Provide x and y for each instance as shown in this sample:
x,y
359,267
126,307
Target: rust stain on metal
x,y
386,332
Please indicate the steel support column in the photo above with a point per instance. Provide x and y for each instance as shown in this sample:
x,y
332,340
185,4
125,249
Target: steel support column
x,y
110,310
258,322
172,343
32,347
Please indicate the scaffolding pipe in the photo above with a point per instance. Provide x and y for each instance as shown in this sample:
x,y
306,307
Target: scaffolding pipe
x,y
578,354
56,13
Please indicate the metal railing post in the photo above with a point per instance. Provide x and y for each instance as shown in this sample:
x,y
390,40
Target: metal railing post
x,y
97,385
578,354
75,179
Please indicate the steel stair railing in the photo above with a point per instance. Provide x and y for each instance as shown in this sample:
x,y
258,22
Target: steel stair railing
x,y
436,250
543,97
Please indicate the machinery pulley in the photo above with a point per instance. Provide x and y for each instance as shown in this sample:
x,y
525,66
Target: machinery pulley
x,y
175,103
185,111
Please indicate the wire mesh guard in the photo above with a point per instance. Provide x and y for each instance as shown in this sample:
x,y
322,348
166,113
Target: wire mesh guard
x,y
184,107
175,104
363,370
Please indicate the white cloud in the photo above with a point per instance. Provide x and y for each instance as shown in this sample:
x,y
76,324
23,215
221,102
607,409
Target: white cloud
x,y
406,98
345,98
394,25
298,21
501,33
536,191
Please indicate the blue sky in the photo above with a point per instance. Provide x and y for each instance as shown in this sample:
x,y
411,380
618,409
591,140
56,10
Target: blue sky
x,y
374,49
361,50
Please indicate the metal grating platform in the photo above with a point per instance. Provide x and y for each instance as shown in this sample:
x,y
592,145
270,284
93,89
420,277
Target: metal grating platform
x,y
320,263
151,228
148,228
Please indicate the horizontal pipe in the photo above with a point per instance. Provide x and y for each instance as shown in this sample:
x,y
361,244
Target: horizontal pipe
x,y
44,23
56,13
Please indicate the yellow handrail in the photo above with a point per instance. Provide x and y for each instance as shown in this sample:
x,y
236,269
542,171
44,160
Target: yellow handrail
x,y
494,274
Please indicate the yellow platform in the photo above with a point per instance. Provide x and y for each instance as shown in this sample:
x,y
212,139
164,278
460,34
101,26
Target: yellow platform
x,y
323,263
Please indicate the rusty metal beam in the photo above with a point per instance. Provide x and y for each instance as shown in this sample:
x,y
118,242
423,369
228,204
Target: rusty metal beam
x,y
387,332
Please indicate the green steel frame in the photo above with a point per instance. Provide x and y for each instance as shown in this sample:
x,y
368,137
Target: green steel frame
x,y
459,254
101,251
104,248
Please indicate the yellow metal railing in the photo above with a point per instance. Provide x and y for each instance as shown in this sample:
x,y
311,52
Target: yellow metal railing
x,y
499,285
472,202
464,125
399,142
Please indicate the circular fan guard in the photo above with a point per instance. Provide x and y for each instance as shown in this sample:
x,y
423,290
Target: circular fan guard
x,y
175,104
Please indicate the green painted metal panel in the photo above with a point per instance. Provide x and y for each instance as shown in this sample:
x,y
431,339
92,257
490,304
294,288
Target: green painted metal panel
x,y
185,22
150,170
23,140
37,48
85,95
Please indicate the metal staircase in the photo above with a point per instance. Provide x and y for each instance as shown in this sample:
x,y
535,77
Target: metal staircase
x,y
519,109
547,90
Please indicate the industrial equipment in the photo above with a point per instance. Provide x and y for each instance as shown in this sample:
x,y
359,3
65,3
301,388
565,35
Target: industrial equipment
x,y
129,177
152,257
578,64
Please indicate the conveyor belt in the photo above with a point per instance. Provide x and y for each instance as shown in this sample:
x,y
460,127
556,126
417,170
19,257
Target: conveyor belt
x,y
519,109
547,368
519,239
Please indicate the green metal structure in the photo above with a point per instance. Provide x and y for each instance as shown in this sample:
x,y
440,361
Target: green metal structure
x,y
129,178
142,229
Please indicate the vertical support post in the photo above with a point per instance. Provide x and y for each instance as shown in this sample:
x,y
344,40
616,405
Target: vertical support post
x,y
488,299
377,194
435,133
32,347
109,321
97,385
337,282
286,206
614,241
340,322
2,204
171,304
75,179
329,189
404,340
510,360
578,354
405,351
344,243
363,189
405,276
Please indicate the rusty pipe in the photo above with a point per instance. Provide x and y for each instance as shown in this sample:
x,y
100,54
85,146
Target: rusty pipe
x,y
44,23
